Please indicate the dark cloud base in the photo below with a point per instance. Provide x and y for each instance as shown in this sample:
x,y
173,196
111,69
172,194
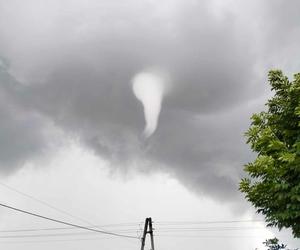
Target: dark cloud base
x,y
78,77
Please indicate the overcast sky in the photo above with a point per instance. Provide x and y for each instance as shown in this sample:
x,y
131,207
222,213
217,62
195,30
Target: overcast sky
x,y
118,110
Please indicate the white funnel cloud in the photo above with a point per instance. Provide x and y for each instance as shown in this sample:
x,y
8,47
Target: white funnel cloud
x,y
149,89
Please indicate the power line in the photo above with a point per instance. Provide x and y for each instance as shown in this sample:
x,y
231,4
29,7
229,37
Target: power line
x,y
54,240
130,225
160,235
50,206
205,222
164,230
54,229
205,228
57,229
45,235
210,236
67,223
121,224
44,203
51,240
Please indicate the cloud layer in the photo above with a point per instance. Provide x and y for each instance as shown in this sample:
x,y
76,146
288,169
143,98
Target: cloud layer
x,y
72,62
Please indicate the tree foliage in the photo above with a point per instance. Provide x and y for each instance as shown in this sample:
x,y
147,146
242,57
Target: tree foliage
x,y
273,186
273,244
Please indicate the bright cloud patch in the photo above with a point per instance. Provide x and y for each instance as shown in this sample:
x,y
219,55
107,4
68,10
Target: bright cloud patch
x,y
149,90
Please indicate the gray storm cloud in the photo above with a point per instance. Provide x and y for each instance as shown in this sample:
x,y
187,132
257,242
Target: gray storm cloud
x,y
71,63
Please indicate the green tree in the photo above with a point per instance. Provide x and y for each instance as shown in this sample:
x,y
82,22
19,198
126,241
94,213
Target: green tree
x,y
273,244
273,185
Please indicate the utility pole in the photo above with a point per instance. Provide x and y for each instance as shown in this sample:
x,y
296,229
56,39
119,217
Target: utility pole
x,y
147,230
144,233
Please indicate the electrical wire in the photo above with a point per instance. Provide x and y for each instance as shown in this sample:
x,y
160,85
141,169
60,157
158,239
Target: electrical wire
x,y
158,228
160,232
53,207
210,236
49,235
131,230
51,229
45,203
205,222
52,240
86,233
66,223
44,235
206,228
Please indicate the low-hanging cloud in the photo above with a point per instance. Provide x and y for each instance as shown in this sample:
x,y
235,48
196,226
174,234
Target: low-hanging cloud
x,y
72,64
149,89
